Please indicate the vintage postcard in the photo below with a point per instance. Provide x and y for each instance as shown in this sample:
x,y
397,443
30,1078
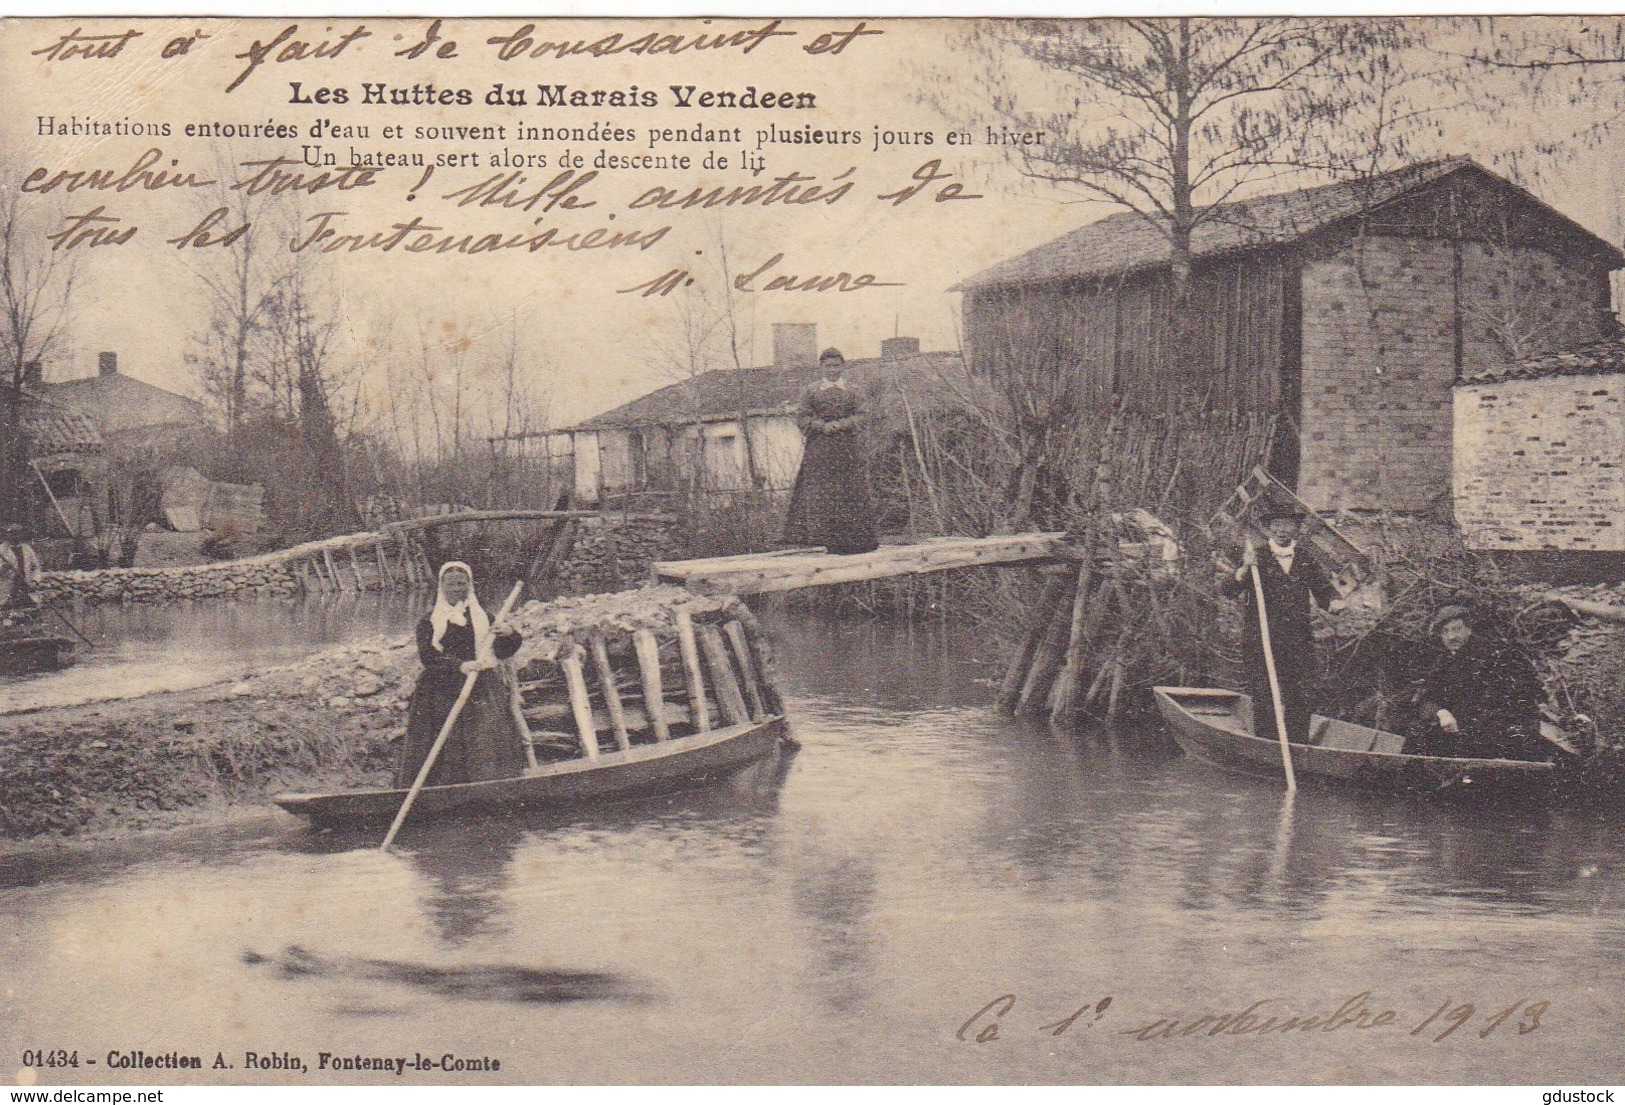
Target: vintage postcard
x,y
811,550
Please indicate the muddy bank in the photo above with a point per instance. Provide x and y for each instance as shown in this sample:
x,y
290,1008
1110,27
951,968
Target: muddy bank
x,y
175,757
329,721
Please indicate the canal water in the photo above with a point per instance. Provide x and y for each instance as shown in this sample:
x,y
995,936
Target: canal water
x,y
924,892
130,648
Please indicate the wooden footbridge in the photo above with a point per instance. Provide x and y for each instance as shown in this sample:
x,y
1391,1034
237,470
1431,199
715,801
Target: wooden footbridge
x,y
791,569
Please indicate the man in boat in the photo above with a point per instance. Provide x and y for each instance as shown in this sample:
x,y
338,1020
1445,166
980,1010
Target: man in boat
x,y
1291,579
456,640
1481,696
19,578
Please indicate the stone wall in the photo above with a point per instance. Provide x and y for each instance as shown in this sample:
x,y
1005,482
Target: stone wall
x,y
169,584
637,544
1381,354
1540,464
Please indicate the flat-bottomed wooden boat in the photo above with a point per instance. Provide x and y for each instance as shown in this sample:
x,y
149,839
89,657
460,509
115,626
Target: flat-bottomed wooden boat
x,y
617,685
643,769
1216,727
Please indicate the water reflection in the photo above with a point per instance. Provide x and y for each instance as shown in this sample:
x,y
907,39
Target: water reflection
x,y
836,914
836,891
464,886
482,982
177,645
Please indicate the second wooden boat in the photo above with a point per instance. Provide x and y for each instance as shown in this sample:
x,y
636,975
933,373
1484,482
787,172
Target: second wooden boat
x,y
1216,727
22,655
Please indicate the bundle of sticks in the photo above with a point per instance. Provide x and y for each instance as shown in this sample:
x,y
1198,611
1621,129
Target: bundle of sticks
x,y
638,667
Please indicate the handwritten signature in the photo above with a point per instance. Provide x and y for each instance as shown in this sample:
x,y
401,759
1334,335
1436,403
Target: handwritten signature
x,y
1360,1012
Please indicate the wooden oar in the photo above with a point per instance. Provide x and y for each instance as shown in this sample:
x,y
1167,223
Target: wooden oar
x,y
445,731
1275,682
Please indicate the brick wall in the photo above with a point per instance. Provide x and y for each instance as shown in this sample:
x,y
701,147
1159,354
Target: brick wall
x,y
1540,464
1378,362
1380,354
1518,303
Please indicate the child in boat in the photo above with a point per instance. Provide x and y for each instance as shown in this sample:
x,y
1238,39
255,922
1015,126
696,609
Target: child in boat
x,y
1481,696
455,640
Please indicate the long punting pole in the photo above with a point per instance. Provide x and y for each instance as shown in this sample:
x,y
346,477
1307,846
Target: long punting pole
x,y
445,731
1275,681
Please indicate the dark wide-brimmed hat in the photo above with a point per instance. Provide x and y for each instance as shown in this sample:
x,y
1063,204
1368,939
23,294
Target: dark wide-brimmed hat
x,y
1269,511
831,354
1447,614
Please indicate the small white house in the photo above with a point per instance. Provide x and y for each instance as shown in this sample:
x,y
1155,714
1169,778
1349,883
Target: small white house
x,y
728,429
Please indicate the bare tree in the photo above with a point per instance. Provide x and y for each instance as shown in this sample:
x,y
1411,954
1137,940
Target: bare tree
x,y
1169,118
36,297
243,281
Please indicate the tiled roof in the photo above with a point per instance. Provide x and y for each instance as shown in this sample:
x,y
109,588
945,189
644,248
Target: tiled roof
x,y
1596,359
727,393
1126,242
53,429
121,403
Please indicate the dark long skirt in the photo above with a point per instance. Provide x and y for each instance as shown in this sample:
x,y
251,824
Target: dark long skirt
x,y
484,743
830,504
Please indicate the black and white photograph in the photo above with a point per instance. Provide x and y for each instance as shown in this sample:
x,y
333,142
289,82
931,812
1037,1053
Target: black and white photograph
x,y
812,550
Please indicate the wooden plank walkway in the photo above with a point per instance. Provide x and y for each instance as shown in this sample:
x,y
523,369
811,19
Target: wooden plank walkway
x,y
757,573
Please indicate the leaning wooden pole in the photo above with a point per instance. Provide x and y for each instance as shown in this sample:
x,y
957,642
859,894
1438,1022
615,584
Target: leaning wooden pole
x,y
612,694
580,704
1064,698
1086,614
1016,674
1047,658
747,668
332,569
648,652
691,669
730,698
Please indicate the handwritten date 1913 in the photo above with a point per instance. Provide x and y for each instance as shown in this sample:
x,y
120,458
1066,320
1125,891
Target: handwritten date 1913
x,y
1359,1013
1266,1017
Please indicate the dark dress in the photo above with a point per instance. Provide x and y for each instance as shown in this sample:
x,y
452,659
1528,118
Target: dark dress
x,y
1494,695
485,743
830,504
1287,598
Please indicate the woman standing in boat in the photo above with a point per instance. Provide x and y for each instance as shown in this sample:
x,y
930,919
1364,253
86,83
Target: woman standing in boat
x,y
455,640
830,504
